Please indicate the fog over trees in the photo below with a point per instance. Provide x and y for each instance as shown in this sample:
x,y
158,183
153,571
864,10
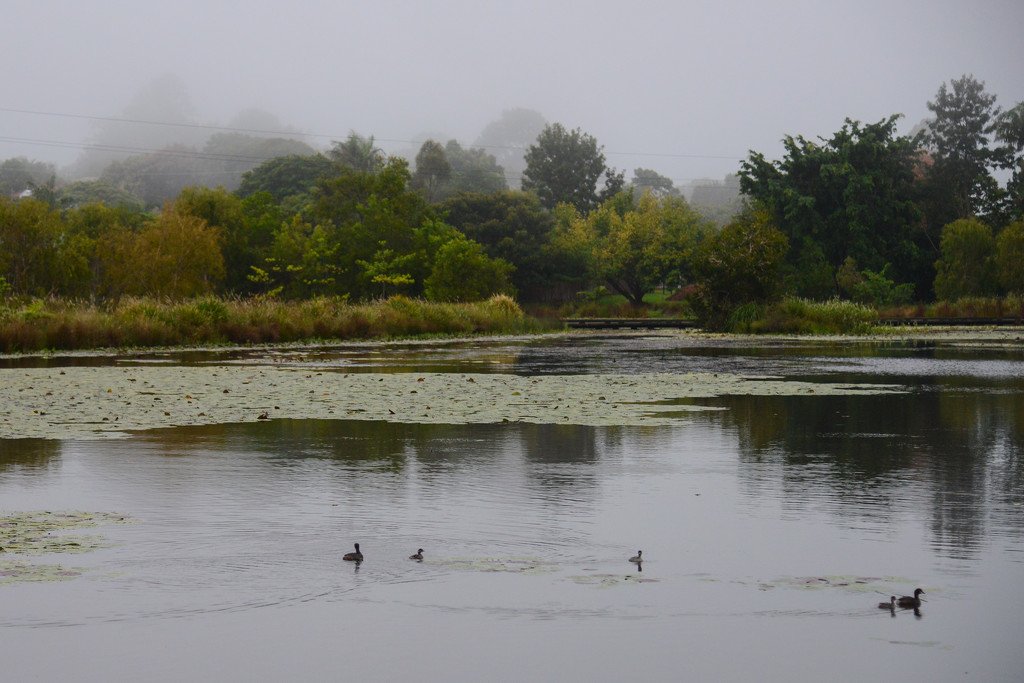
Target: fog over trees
x,y
535,146
865,213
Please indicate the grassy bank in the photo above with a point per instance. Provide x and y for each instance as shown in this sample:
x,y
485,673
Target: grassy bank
x,y
64,325
969,307
800,316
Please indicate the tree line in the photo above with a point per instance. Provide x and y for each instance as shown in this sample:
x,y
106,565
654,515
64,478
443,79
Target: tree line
x,y
866,214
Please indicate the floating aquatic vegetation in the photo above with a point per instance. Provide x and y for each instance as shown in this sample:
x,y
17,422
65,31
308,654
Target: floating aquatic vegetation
x,y
41,532
918,643
84,402
611,580
25,572
514,565
37,533
873,584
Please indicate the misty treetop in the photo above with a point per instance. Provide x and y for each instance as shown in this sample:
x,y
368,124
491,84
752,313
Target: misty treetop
x,y
508,138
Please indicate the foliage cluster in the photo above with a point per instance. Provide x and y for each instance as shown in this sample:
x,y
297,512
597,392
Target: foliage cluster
x,y
873,215
879,218
632,244
740,267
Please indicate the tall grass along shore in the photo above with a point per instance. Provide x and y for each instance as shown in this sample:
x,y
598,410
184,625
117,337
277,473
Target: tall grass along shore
x,y
49,324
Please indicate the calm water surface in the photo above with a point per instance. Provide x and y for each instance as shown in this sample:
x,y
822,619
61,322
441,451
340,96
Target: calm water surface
x,y
757,521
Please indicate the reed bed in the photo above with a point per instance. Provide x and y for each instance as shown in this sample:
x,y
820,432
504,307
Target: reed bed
x,y
52,324
801,316
1011,305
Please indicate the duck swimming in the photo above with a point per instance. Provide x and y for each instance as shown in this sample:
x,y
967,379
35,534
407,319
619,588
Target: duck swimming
x,y
891,605
907,601
354,557
637,557
419,556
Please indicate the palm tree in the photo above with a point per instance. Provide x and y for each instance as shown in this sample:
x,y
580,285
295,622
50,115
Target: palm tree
x,y
357,153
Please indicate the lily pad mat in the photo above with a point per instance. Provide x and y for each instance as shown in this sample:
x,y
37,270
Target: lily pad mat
x,y
96,402
513,565
39,533
534,567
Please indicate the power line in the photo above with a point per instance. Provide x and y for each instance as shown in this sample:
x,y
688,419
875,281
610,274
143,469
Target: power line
x,y
292,133
220,156
186,153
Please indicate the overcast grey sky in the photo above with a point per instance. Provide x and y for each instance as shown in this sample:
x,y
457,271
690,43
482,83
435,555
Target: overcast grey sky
x,y
685,89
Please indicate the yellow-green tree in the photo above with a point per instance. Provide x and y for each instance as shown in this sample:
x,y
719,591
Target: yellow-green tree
x,y
1010,257
91,228
967,266
742,264
634,244
30,239
177,255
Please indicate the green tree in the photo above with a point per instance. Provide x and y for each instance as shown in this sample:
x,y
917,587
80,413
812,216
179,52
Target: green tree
x,y
285,176
300,263
565,166
366,235
463,272
511,226
19,174
357,153
849,196
646,180
389,270
84,192
433,171
1010,131
869,287
742,264
473,170
30,240
1010,257
959,138
225,213
91,229
967,266
226,157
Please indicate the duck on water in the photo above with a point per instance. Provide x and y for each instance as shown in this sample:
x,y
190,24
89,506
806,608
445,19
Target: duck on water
x,y
907,601
357,556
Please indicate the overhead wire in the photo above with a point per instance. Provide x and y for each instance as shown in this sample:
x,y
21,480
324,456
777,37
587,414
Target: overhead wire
x,y
294,133
199,155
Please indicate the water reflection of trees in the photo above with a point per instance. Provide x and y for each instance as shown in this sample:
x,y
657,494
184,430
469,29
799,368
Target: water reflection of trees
x,y
435,448
864,454
28,454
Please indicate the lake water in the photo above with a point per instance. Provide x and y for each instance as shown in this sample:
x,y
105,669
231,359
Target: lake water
x,y
771,528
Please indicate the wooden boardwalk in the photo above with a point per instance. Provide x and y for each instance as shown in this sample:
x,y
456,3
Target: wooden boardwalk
x,y
689,323
1006,321
630,323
